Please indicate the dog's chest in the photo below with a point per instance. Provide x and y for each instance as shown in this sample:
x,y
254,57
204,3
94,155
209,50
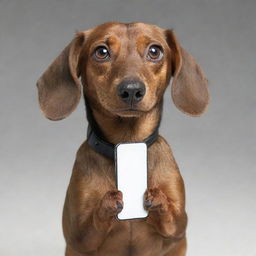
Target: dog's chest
x,y
132,238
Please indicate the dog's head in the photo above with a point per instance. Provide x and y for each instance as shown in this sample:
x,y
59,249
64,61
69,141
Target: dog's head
x,y
124,69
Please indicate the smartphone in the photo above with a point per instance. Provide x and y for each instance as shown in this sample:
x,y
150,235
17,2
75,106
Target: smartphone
x,y
131,178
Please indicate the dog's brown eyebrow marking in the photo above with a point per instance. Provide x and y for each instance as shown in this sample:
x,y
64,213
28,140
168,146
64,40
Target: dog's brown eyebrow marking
x,y
144,39
113,43
108,40
111,40
141,42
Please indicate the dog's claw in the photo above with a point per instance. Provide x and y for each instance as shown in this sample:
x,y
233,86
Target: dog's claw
x,y
155,200
148,203
119,205
111,204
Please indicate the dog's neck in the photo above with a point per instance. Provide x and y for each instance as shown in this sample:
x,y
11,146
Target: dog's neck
x,y
128,129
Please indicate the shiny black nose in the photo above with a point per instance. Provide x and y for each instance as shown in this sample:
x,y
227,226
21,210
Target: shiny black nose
x,y
131,91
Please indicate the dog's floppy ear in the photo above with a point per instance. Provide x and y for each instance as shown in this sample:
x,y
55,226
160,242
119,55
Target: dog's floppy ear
x,y
189,85
59,87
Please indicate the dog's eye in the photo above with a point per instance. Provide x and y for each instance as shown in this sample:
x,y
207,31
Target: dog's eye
x,y
101,53
155,53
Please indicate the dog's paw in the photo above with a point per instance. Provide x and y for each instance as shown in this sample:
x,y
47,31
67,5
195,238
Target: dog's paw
x,y
111,204
155,200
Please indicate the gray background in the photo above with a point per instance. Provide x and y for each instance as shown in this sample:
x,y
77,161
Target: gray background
x,y
215,153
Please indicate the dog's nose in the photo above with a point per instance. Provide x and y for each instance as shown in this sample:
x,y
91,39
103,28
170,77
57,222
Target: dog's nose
x,y
131,91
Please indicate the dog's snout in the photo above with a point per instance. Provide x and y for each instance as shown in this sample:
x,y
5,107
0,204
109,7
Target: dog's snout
x,y
131,91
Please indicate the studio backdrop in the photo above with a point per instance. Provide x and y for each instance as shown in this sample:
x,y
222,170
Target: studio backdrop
x,y
215,152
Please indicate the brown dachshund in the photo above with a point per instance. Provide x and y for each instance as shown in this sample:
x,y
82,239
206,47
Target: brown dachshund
x,y
124,70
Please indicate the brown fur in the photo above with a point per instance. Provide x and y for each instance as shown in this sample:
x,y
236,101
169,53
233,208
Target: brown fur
x,y
89,223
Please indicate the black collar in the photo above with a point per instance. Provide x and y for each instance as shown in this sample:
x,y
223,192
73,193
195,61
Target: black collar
x,y
96,140
108,149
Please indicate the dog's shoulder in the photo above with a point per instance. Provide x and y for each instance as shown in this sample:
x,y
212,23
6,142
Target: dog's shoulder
x,y
160,148
90,162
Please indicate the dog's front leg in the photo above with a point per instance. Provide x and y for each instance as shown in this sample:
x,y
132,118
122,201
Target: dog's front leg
x,y
167,216
87,223
110,205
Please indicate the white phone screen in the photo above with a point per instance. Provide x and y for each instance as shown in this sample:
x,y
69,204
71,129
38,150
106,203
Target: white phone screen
x,y
131,177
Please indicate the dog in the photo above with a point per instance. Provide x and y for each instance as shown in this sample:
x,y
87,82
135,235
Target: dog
x,y
124,70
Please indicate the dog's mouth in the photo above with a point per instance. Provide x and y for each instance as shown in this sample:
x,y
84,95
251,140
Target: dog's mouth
x,y
131,111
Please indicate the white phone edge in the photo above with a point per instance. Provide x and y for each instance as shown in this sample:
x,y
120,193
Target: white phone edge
x,y
144,180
